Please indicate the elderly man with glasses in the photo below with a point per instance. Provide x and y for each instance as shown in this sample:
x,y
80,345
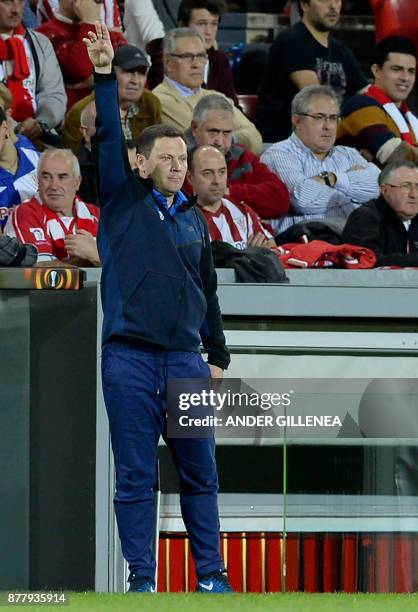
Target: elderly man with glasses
x,y
324,181
389,225
185,58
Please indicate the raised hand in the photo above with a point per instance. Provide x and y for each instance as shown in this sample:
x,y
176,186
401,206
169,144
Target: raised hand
x,y
100,48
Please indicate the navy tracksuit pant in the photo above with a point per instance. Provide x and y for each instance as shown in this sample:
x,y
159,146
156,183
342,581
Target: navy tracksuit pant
x,y
134,387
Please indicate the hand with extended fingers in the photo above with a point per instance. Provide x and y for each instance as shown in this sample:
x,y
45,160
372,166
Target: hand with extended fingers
x,y
100,48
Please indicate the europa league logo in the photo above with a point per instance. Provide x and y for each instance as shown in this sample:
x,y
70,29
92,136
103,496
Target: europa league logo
x,y
58,279
54,279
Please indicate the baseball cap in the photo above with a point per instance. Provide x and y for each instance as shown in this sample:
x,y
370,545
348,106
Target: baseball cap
x,y
129,57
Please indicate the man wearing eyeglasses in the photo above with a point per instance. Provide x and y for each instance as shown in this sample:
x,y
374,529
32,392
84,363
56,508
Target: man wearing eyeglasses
x,y
324,181
185,58
205,17
389,225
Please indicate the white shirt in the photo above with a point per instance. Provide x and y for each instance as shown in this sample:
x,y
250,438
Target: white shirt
x,y
296,164
142,23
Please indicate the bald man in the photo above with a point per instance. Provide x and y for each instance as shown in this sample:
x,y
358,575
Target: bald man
x,y
228,221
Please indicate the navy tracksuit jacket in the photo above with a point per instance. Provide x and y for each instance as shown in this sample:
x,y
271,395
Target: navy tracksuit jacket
x,y
159,302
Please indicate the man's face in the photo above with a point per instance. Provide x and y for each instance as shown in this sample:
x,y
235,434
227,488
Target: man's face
x,y
188,69
11,13
401,192
131,84
166,165
322,14
397,75
206,24
209,176
318,130
58,184
216,130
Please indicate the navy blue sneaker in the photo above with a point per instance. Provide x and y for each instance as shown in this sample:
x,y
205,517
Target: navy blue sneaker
x,y
141,584
216,582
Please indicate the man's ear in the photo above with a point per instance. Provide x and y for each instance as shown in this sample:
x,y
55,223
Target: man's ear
x,y
375,68
142,166
5,128
302,4
167,64
295,121
193,126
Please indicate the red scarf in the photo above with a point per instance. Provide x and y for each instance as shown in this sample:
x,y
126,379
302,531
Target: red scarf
x,y
401,115
13,49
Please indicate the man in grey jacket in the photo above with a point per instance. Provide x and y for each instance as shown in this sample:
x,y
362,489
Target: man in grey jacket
x,y
29,67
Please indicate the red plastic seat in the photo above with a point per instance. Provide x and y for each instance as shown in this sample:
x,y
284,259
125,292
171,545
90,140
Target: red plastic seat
x,y
248,103
396,18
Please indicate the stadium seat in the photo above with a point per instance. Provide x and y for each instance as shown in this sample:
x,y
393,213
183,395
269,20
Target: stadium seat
x,y
248,103
396,18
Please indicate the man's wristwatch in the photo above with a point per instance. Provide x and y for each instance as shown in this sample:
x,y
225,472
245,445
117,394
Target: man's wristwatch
x,y
325,176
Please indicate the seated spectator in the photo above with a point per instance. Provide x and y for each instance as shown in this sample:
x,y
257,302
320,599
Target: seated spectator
x,y
66,30
109,12
86,158
88,186
61,226
29,68
203,16
389,225
305,54
378,122
248,179
142,25
139,108
185,58
323,180
6,102
234,223
18,164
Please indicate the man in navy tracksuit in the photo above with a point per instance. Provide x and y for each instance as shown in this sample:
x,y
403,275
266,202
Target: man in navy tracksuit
x,y
159,302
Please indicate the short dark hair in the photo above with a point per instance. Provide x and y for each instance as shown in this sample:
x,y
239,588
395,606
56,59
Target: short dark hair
x,y
392,44
192,152
147,138
216,7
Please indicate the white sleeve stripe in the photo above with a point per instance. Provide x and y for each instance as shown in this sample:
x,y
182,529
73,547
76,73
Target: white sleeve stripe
x,y
16,226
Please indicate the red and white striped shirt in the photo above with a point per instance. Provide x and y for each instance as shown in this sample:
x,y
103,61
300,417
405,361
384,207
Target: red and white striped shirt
x,y
234,224
34,223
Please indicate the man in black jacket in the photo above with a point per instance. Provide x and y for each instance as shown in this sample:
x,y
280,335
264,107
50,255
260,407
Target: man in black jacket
x,y
389,225
159,302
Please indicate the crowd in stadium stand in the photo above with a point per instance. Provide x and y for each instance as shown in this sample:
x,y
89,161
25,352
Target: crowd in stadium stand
x,y
313,150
